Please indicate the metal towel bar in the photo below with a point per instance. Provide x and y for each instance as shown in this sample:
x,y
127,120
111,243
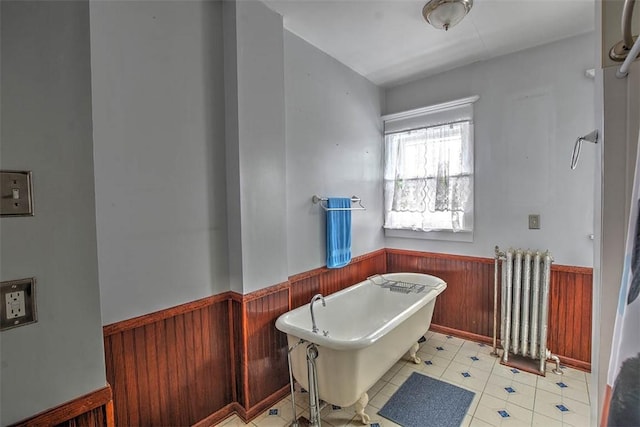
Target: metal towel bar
x,y
354,199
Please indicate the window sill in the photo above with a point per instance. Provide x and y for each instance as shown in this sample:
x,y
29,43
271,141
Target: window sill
x,y
460,236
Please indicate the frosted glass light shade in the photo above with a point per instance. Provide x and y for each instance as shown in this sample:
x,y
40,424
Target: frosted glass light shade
x,y
444,14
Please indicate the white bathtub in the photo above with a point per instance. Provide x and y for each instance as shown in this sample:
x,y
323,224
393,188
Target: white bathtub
x,y
369,329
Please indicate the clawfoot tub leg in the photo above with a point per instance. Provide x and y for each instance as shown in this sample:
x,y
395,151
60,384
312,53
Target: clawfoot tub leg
x,y
412,354
360,405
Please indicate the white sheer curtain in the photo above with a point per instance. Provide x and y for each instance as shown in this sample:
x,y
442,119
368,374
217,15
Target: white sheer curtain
x,y
428,178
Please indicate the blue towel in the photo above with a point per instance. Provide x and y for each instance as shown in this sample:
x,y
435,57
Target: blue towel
x,y
338,233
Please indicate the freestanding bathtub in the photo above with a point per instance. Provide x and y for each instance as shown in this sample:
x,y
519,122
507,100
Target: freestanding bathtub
x,y
363,331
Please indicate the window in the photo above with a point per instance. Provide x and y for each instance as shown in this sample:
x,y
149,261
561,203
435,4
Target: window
x,y
428,172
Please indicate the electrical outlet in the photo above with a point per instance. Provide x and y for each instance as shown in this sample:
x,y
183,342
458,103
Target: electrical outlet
x,y
17,303
534,222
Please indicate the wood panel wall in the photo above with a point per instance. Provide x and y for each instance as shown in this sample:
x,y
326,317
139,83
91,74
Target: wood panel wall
x,y
171,367
327,281
92,410
570,310
467,303
466,307
199,362
265,358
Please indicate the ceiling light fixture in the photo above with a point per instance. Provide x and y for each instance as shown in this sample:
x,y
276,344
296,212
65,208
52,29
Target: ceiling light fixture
x,y
444,14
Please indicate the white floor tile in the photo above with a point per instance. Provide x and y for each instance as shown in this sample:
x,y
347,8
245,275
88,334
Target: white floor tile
x,y
378,402
466,422
572,388
449,339
475,359
434,366
500,412
474,403
567,372
481,348
399,378
540,420
533,400
437,336
433,345
376,388
387,376
389,389
302,399
476,422
233,421
388,423
561,408
474,379
511,391
576,420
410,368
337,417
515,374
271,421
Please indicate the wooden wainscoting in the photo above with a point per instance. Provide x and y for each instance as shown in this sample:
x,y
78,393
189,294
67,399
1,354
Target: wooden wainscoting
x,y
466,307
467,304
172,367
199,362
570,314
327,281
265,358
91,410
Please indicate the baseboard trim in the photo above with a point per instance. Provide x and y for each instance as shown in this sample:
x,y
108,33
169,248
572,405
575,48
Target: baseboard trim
x,y
573,363
237,409
461,334
218,416
72,409
264,404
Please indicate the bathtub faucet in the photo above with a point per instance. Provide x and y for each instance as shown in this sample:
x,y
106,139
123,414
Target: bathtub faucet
x,y
315,298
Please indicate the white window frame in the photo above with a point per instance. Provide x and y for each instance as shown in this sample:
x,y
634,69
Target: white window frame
x,y
434,115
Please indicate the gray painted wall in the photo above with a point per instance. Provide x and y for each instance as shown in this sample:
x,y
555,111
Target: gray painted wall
x,y
234,220
256,145
533,105
46,128
334,149
158,113
193,175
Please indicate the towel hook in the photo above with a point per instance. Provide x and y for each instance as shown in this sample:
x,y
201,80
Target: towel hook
x,y
591,137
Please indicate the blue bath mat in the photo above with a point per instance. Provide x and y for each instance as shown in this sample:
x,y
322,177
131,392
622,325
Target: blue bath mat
x,y
426,402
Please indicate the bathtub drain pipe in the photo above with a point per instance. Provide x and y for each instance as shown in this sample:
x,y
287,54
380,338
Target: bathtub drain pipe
x,y
294,423
314,399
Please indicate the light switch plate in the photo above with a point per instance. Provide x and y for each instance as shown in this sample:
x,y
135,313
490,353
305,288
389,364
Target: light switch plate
x,y
16,193
17,303
534,222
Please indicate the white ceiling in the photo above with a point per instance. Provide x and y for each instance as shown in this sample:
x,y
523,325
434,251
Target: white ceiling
x,y
389,42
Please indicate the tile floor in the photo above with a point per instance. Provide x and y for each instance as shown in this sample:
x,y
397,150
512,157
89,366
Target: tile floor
x,y
504,396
